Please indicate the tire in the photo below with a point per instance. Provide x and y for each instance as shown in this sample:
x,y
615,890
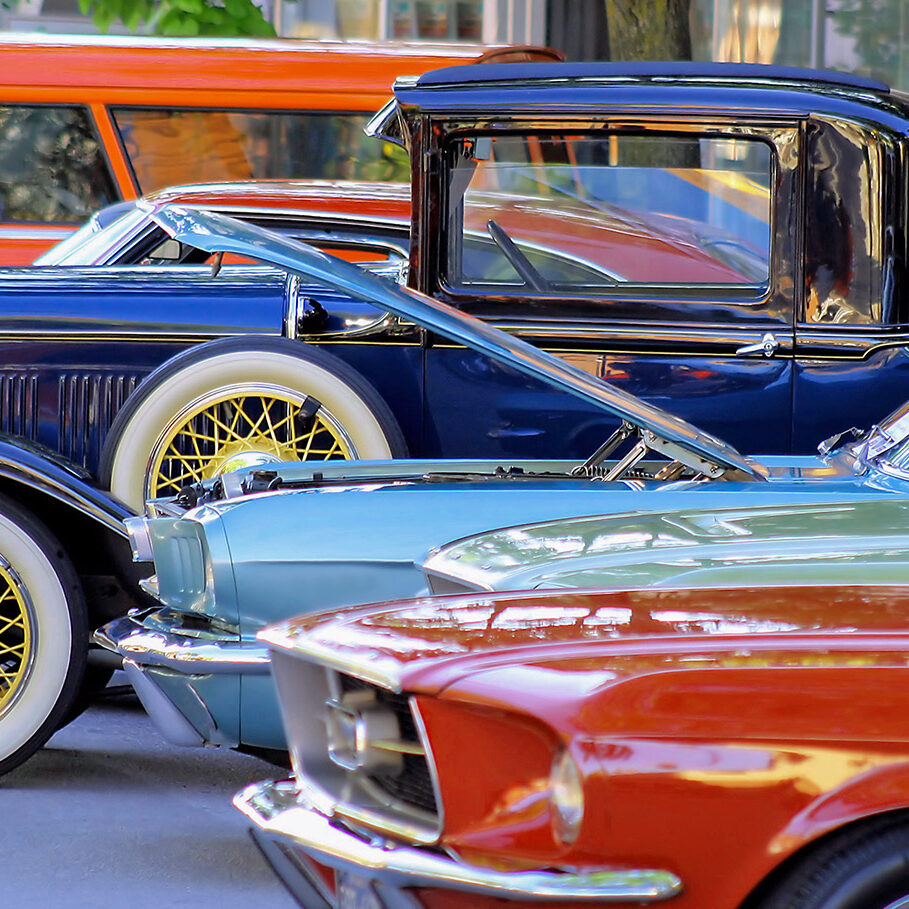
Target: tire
x,y
240,401
862,868
43,635
94,681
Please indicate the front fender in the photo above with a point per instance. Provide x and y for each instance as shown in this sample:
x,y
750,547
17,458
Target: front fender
x,y
37,469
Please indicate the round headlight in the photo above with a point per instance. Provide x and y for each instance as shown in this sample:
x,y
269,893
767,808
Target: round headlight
x,y
567,797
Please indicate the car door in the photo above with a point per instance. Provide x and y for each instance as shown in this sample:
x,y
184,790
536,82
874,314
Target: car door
x,y
852,337
656,256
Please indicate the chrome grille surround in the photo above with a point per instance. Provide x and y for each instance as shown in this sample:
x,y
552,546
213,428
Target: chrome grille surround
x,y
359,750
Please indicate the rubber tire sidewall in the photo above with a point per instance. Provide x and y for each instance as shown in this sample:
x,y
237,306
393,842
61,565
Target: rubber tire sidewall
x,y
861,866
61,621
351,400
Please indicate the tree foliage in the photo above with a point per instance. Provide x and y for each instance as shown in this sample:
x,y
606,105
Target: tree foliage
x,y
878,28
184,18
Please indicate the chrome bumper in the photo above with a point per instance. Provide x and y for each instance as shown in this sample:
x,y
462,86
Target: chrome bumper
x,y
167,669
279,816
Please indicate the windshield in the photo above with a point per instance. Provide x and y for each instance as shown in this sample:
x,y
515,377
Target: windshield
x,y
91,246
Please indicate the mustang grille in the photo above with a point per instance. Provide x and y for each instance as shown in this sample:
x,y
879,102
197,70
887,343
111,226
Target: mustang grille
x,y
412,783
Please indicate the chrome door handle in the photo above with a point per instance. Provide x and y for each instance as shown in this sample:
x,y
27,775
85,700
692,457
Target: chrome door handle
x,y
768,346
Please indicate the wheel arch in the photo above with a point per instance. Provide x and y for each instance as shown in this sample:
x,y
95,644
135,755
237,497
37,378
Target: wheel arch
x,y
816,837
86,521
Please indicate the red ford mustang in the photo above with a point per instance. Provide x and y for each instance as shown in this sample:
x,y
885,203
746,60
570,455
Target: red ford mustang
x,y
709,748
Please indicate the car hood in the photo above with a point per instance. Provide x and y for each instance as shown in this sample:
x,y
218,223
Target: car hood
x,y
856,541
425,645
217,233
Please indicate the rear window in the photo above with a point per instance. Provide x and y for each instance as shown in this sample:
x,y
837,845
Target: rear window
x,y
52,168
168,147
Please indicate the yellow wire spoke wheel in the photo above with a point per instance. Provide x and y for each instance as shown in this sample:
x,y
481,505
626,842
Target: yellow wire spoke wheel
x,y
238,402
17,636
242,427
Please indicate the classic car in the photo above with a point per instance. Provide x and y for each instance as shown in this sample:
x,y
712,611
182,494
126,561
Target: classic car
x,y
663,253
87,120
258,545
695,748
74,575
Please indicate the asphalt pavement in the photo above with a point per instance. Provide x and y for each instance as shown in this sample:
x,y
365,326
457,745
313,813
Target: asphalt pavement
x,y
109,814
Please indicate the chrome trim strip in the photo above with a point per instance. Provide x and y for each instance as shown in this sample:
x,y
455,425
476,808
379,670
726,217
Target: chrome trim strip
x,y
276,810
181,653
139,539
617,332
157,337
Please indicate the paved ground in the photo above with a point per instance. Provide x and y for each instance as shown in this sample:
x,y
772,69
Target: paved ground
x,y
108,814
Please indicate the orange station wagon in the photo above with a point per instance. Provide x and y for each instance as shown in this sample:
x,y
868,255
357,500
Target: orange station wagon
x,y
86,121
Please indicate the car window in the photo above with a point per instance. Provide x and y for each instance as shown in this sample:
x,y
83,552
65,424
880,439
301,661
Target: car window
x,y
168,147
52,167
574,214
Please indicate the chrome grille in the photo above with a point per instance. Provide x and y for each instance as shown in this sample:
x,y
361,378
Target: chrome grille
x,y
358,749
412,784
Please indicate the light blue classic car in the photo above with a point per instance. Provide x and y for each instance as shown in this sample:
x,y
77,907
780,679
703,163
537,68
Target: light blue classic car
x,y
259,545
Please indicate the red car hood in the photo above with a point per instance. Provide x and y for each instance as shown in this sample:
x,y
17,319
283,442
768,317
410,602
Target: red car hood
x,y
425,645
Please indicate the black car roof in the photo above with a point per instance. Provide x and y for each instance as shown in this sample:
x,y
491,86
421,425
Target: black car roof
x,y
476,74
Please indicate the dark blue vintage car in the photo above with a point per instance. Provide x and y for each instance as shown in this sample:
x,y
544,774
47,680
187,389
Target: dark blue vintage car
x,y
727,241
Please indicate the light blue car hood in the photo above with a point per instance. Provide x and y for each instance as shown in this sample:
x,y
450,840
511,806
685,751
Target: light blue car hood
x,y
217,233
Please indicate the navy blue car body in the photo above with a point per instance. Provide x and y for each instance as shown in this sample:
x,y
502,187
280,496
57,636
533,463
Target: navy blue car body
x,y
784,190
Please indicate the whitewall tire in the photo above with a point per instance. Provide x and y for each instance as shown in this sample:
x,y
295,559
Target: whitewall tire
x,y
43,635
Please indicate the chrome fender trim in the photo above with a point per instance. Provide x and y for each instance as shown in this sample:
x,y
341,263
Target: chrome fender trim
x,y
275,809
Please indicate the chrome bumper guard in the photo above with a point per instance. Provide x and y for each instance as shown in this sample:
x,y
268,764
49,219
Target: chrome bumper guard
x,y
163,667
277,813
181,652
